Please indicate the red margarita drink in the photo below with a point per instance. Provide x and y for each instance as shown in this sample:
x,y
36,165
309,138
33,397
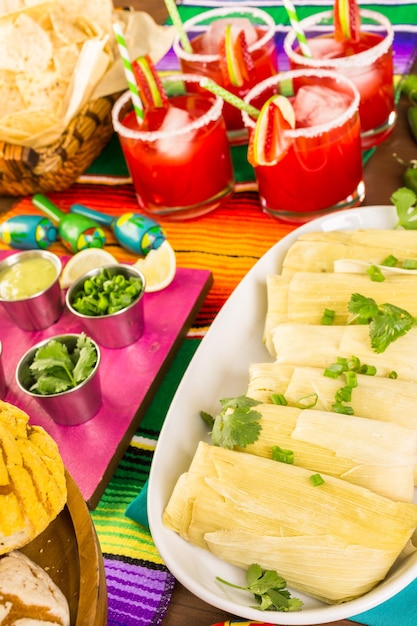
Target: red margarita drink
x,y
178,156
367,62
206,32
318,168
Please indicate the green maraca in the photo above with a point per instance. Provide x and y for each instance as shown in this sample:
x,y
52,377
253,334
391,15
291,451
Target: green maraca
x,y
76,231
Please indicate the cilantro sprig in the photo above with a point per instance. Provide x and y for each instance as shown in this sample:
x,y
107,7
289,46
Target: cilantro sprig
x,y
387,322
269,589
404,200
237,424
55,369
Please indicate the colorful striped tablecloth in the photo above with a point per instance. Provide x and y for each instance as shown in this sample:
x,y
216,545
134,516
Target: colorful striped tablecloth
x,y
228,242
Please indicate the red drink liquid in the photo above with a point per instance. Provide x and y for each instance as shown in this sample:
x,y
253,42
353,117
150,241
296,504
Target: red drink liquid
x,y
180,170
265,65
375,82
322,169
367,63
205,58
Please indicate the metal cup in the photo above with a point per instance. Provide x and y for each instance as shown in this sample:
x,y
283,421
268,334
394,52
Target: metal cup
x,y
43,308
116,330
69,408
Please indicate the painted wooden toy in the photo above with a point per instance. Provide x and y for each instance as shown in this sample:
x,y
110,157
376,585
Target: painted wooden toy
x,y
135,232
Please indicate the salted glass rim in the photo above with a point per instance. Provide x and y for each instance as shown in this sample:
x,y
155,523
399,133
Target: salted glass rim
x,y
222,12
366,57
311,131
212,115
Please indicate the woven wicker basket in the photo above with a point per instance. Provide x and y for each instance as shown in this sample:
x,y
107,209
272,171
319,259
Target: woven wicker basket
x,y
25,171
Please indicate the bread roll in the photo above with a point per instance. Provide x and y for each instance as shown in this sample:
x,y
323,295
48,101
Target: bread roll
x,y
28,596
32,479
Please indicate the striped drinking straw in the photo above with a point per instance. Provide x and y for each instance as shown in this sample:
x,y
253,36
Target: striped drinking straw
x,y
177,22
130,77
295,23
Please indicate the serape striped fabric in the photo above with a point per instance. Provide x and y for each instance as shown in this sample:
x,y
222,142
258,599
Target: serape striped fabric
x,y
228,242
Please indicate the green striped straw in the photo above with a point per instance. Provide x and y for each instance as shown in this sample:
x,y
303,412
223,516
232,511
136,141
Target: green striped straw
x,y
176,20
295,23
130,77
229,97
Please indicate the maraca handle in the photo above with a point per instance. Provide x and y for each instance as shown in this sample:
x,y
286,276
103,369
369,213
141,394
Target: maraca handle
x,y
47,206
101,218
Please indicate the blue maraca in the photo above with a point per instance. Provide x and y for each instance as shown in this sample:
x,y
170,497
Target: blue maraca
x,y
28,232
135,232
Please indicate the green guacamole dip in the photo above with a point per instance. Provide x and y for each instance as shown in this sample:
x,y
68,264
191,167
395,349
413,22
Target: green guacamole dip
x,y
26,278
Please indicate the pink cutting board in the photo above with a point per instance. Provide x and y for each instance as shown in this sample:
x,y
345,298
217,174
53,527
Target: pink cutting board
x,y
129,378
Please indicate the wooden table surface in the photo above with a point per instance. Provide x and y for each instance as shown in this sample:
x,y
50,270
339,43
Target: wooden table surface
x,y
383,175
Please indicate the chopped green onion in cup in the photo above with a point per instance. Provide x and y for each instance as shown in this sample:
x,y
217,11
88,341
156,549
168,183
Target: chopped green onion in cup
x,y
105,294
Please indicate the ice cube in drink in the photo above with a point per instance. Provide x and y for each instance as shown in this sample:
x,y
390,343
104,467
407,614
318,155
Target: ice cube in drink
x,y
326,48
316,104
212,38
173,119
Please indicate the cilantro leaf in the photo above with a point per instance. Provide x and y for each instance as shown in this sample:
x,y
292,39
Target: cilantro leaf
x,y
404,200
390,324
54,369
387,322
363,309
86,358
269,589
236,424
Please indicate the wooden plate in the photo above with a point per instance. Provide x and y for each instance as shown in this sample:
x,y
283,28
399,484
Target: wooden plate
x,y
70,553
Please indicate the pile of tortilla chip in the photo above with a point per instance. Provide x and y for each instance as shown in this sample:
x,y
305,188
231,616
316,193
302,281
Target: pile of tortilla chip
x,y
54,57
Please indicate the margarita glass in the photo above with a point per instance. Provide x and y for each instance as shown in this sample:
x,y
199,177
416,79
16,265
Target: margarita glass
x,y
368,63
321,169
179,156
205,58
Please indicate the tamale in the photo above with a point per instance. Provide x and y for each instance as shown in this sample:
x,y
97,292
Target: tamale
x,y
308,294
319,346
384,399
334,541
317,251
377,455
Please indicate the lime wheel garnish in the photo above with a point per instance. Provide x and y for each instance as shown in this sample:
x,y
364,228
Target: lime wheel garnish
x,y
236,63
347,21
149,84
268,142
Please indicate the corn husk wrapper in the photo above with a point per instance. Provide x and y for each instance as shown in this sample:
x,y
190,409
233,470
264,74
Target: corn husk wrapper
x,y
375,397
304,296
317,251
319,346
376,455
334,542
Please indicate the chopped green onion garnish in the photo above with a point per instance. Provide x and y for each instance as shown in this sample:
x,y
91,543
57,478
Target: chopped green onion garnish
x,y
344,394
410,264
328,317
375,274
368,370
342,409
316,480
308,402
279,398
390,261
393,375
353,364
351,379
334,370
281,455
